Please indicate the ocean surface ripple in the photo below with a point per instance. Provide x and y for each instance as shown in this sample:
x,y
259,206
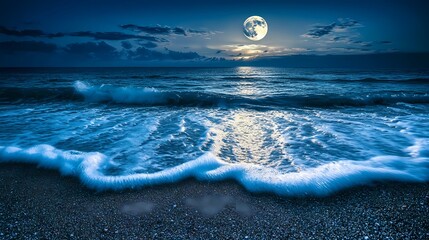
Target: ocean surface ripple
x,y
288,131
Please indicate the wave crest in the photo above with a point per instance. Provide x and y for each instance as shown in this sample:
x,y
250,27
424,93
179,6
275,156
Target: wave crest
x,y
151,96
321,180
108,94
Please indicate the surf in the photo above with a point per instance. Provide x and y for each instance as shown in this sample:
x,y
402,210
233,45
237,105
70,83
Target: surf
x,y
138,96
315,181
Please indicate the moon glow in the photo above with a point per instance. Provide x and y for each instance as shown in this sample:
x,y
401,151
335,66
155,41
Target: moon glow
x,y
255,28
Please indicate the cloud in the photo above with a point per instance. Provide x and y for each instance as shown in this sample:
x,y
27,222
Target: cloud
x,y
93,50
113,36
149,44
144,54
28,33
342,39
95,35
157,30
352,41
236,55
11,47
251,51
164,30
182,55
341,50
340,25
385,42
126,45
346,23
319,31
202,32
179,31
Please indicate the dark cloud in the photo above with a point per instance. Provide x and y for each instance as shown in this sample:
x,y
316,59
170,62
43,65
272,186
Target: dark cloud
x,y
179,31
385,42
148,44
341,39
219,51
358,49
144,54
156,30
353,42
113,36
127,45
97,50
182,55
28,33
336,39
94,35
362,45
236,55
214,59
163,30
76,53
11,47
201,32
322,30
346,23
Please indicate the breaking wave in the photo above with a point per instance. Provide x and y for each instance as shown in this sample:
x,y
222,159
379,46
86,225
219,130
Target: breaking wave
x,y
321,180
107,94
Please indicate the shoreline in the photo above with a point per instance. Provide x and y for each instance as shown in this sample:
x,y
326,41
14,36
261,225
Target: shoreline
x,y
40,203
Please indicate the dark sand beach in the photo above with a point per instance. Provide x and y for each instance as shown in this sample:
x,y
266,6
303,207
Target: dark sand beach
x,y
38,204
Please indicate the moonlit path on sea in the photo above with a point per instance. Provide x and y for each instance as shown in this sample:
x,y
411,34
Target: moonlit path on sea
x,y
288,131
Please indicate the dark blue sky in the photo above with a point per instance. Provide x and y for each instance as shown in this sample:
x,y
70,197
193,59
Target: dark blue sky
x,y
181,33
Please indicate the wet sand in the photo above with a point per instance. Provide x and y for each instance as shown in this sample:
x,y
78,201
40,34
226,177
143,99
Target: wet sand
x,y
38,203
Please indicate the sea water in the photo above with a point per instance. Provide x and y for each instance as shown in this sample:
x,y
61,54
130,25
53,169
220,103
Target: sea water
x,y
282,130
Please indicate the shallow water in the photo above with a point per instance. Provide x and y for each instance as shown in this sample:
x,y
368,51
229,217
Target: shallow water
x,y
290,131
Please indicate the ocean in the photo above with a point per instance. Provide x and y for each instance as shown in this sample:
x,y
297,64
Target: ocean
x,y
289,131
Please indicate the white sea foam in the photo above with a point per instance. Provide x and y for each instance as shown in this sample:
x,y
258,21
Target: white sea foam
x,y
151,96
320,180
420,148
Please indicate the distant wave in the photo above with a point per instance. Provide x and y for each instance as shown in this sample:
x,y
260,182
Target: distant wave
x,y
58,80
321,180
369,80
35,93
107,94
407,80
334,78
141,77
241,78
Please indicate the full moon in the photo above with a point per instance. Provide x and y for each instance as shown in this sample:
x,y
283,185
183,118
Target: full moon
x,y
255,28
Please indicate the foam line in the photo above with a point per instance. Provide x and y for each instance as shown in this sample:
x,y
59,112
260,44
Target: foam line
x,y
321,180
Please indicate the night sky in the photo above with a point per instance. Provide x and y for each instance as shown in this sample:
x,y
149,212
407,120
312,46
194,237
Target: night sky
x,y
203,33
